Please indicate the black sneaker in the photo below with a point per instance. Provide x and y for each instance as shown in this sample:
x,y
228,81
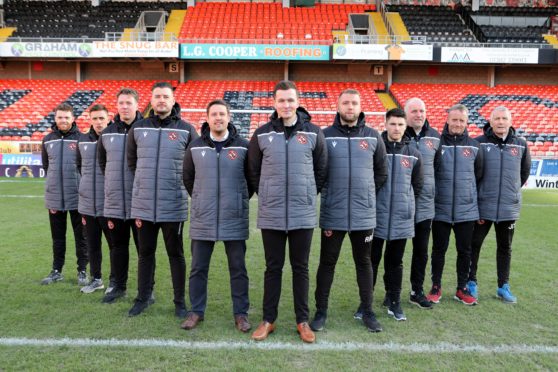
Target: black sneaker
x,y
319,321
358,314
180,310
138,308
418,298
394,310
370,321
114,295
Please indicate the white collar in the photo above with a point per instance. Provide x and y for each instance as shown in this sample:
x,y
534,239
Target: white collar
x,y
222,140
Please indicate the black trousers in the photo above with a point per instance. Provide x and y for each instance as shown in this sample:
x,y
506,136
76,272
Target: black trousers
x,y
201,257
440,240
58,225
420,254
94,228
361,243
299,251
148,233
504,237
119,232
393,265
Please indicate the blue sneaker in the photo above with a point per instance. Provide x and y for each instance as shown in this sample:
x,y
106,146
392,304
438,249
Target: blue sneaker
x,y
473,288
504,293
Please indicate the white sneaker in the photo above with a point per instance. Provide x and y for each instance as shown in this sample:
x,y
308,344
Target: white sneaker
x,y
93,285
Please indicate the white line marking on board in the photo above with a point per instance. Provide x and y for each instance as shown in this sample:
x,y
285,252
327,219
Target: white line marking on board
x,y
270,345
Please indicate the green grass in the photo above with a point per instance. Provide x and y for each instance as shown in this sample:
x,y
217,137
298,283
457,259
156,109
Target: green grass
x,y
28,310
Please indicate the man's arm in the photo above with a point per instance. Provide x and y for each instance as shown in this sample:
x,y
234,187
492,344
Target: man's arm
x,y
101,154
255,156
44,156
417,177
189,171
525,165
132,149
320,161
380,164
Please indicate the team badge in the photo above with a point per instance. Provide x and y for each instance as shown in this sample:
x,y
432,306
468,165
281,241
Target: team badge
x,y
50,146
334,143
328,233
429,144
405,163
514,151
72,146
270,138
173,136
83,222
85,148
111,139
232,155
203,154
467,153
110,224
363,145
138,223
301,138
145,134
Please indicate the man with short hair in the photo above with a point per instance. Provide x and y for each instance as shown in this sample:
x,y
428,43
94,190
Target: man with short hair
x,y
458,172
426,140
287,162
59,156
92,195
508,159
356,170
215,177
155,150
396,208
111,151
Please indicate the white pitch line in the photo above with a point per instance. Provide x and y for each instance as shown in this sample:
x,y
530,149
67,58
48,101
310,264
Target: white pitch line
x,y
22,196
284,346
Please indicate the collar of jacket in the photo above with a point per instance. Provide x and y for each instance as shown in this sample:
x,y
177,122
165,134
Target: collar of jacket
x,y
93,134
452,137
173,116
207,139
122,126
361,122
411,134
391,146
302,117
492,137
73,129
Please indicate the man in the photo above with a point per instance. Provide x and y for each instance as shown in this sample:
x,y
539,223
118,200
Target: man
x,y
458,171
215,177
288,167
92,195
426,140
156,149
396,208
111,151
59,149
508,159
356,169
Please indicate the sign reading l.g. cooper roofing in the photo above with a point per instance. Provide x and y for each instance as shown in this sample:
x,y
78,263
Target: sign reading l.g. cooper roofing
x,y
255,52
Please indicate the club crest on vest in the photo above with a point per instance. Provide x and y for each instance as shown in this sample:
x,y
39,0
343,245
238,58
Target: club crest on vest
x,y
173,136
467,152
138,223
363,145
301,138
514,151
110,225
83,222
328,233
429,144
72,146
232,155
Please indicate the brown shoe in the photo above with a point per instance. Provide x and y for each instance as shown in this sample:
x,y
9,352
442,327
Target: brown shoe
x,y
241,322
305,333
191,321
263,330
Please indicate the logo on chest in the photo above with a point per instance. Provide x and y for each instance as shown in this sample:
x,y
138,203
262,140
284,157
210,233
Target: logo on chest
x,y
405,163
514,151
173,136
72,146
363,145
84,147
301,138
467,153
233,155
429,144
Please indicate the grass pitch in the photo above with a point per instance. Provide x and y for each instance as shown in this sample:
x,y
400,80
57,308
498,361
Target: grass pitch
x,y
489,336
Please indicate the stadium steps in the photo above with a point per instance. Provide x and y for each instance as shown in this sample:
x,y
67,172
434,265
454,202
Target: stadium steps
x,y
398,26
551,39
6,32
127,35
379,27
387,101
174,24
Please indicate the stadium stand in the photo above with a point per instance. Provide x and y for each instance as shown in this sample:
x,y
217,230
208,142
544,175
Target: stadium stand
x,y
267,21
76,19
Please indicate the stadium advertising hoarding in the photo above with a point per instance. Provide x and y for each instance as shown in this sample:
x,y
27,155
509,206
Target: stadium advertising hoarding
x,y
255,52
30,171
380,52
96,49
20,147
544,174
490,55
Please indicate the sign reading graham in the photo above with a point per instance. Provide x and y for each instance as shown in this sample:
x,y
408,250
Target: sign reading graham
x,y
255,52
